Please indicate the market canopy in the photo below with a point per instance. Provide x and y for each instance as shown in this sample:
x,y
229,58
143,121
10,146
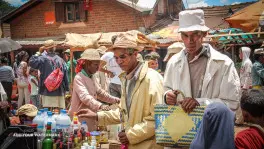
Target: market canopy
x,y
166,35
249,18
8,45
236,39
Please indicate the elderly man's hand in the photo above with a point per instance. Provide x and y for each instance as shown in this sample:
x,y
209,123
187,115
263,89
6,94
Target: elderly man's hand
x,y
188,104
123,138
171,97
85,113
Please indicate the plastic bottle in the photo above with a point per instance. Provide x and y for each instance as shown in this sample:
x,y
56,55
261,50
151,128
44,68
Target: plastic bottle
x,y
45,113
75,123
47,142
63,121
40,121
84,126
56,114
50,119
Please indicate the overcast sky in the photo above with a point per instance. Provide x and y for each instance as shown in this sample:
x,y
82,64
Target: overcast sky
x,y
187,3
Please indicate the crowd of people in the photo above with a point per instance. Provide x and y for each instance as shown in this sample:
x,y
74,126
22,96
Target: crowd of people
x,y
119,75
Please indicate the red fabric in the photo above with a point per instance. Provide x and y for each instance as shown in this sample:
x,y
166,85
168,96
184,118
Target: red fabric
x,y
251,138
79,65
53,81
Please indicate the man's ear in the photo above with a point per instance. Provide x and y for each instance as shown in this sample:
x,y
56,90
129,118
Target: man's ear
x,y
205,34
135,53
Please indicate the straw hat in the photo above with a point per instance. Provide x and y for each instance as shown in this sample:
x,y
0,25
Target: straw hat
x,y
174,49
28,110
126,40
102,50
259,51
48,44
192,20
91,54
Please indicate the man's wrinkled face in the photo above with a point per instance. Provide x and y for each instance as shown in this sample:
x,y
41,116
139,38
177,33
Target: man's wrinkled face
x,y
125,59
91,66
25,120
193,41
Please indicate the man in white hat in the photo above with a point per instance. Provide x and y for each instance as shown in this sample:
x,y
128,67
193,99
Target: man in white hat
x,y
141,90
85,88
203,74
46,63
258,69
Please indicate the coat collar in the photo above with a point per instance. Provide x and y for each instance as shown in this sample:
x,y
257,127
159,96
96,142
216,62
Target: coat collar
x,y
214,55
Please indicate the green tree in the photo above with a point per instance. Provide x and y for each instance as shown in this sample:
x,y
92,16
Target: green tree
x,y
5,8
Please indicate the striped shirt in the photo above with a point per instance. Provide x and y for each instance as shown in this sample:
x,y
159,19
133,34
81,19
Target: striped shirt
x,y
6,74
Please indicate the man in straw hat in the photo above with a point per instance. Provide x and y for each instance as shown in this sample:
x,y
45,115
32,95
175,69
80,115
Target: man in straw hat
x,y
85,88
45,64
203,74
141,90
258,69
26,114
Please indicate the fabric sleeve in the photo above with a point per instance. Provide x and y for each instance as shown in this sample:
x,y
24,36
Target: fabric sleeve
x,y
167,80
84,94
35,62
146,129
108,117
259,69
230,90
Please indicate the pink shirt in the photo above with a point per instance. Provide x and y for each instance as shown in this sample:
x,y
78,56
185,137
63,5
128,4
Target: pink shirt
x,y
85,94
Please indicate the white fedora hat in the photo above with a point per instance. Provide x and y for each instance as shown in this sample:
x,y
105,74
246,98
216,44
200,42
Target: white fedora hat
x,y
174,49
192,20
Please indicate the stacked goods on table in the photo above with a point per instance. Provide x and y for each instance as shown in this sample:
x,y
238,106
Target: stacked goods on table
x,y
57,131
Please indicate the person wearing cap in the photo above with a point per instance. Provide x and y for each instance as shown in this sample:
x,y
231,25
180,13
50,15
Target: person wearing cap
x,y
202,74
111,68
45,64
66,58
258,69
152,59
24,115
101,77
173,49
85,88
141,90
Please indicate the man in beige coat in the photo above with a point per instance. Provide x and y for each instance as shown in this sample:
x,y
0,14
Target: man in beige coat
x,y
203,74
142,89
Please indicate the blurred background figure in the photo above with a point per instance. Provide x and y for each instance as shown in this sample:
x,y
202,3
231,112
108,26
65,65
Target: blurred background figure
x,y
245,70
173,49
152,59
7,77
258,69
24,115
22,78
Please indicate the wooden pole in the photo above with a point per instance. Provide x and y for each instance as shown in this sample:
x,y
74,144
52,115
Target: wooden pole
x,y
233,53
71,59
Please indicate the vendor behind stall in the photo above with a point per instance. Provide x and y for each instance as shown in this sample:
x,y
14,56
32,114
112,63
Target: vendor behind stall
x,y
25,115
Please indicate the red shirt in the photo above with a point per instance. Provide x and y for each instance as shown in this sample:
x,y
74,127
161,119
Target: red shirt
x,y
251,138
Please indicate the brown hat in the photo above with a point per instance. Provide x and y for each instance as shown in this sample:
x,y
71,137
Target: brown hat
x,y
126,40
174,49
91,54
28,110
49,44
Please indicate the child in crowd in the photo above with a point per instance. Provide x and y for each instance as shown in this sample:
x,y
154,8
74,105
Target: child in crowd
x,y
33,80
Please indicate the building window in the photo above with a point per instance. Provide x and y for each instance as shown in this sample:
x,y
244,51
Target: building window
x,y
72,12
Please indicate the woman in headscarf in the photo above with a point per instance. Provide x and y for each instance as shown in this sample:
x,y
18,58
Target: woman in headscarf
x,y
22,81
245,71
216,130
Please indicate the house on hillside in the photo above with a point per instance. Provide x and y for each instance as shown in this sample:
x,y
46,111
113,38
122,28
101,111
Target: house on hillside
x,y
39,20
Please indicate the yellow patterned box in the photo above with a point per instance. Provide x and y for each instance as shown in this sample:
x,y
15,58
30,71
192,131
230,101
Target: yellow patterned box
x,y
174,127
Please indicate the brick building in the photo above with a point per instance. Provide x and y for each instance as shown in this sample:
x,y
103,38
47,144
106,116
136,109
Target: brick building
x,y
41,19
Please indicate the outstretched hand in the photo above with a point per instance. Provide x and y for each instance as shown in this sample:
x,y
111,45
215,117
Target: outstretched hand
x,y
85,113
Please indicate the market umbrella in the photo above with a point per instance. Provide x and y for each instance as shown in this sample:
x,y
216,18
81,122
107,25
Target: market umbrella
x,y
249,18
7,45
